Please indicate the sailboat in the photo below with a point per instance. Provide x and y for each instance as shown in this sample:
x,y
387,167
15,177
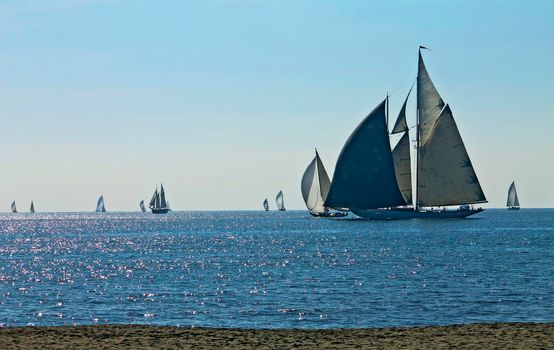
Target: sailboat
x,y
141,205
315,187
32,209
374,182
280,201
158,203
513,202
14,208
266,205
100,207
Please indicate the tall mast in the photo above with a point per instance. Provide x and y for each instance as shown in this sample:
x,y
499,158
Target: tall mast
x,y
387,112
416,197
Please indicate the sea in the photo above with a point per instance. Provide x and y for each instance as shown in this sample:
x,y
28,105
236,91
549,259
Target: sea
x,y
254,269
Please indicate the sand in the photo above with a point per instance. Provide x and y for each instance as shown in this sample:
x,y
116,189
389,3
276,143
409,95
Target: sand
x,y
474,336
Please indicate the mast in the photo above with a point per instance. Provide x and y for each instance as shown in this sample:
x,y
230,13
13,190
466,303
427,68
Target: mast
x,y
416,196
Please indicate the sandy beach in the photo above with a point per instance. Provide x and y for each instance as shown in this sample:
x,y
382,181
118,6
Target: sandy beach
x,y
474,336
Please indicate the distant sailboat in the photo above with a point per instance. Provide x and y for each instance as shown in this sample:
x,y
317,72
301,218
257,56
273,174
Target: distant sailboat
x,y
32,209
266,205
142,208
100,207
315,187
280,201
158,203
14,208
374,182
513,202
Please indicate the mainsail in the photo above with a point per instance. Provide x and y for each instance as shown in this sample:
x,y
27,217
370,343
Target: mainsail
x,y
512,201
163,202
315,185
280,201
32,209
364,175
14,208
266,205
100,205
141,205
446,175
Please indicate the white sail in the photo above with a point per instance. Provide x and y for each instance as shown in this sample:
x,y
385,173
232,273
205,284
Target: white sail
x,y
446,175
141,205
100,205
429,102
14,208
402,166
315,185
280,201
513,200
32,209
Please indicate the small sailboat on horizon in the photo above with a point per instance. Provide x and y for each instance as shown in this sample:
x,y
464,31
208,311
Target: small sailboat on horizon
x,y
280,201
32,209
14,207
141,205
375,182
100,207
266,205
158,203
315,186
513,201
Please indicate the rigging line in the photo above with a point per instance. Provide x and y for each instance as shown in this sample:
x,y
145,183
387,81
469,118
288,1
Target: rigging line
x,y
403,81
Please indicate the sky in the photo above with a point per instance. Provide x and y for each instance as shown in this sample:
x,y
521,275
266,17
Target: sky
x,y
225,101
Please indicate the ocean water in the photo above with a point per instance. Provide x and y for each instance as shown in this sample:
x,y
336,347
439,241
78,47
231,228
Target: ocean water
x,y
274,269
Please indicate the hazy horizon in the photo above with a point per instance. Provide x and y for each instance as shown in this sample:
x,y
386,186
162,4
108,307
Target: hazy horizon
x,y
225,101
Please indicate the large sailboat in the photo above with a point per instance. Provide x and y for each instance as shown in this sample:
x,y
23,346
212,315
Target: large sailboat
x,y
315,187
100,207
280,201
32,209
158,204
14,208
513,202
375,182
266,205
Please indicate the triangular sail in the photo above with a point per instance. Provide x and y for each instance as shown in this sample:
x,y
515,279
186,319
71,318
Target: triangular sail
x,y
141,205
513,200
401,125
100,205
32,209
280,201
163,203
446,175
364,175
429,102
324,182
402,166
310,188
152,202
14,208
266,204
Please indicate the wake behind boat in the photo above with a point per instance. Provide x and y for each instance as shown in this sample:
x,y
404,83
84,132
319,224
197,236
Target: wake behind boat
x,y
375,183
513,201
158,203
315,187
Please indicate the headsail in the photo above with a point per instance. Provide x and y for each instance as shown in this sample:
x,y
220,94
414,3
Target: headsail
x,y
141,205
280,201
446,175
513,200
32,209
100,205
315,185
402,166
14,208
401,125
364,175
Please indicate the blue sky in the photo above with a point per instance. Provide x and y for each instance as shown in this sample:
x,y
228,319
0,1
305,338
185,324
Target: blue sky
x,y
225,101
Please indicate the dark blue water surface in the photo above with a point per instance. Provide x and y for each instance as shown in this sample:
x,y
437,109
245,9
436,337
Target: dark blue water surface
x,y
275,269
